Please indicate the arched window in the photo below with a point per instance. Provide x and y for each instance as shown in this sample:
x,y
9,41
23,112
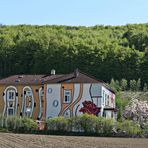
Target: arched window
x,y
41,99
27,102
10,101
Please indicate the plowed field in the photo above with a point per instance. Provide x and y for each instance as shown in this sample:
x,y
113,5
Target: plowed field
x,y
46,141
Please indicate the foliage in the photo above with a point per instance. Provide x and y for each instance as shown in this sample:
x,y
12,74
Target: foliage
x,y
108,126
115,85
128,128
99,128
138,84
86,123
12,122
145,88
57,124
123,84
133,85
2,121
145,130
103,51
121,103
29,125
137,111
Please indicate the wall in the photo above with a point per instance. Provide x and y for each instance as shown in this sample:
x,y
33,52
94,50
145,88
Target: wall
x,y
20,93
55,105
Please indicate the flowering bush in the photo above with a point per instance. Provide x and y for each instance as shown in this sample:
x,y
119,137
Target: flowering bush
x,y
137,111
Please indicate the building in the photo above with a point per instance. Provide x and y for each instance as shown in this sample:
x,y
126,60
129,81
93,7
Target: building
x,y
46,96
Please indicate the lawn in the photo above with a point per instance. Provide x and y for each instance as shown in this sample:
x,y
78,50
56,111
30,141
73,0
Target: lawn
x,y
40,141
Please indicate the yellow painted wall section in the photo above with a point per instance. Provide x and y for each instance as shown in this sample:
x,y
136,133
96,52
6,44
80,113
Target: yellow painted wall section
x,y
2,88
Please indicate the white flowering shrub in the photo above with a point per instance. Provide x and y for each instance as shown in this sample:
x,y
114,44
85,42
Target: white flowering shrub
x,y
137,111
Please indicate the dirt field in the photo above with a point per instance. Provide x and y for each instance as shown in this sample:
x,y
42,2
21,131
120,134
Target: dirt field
x,y
45,141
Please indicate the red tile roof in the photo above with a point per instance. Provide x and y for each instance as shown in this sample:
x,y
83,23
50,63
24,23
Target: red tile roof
x,y
27,79
75,77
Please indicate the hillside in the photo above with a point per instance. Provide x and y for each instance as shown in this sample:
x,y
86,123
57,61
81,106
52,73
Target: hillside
x,y
103,51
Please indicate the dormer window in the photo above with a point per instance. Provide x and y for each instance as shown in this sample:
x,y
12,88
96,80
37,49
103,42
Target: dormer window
x,y
67,96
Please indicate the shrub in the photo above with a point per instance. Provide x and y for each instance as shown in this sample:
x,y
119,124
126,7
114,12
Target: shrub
x,y
2,121
12,123
137,111
99,125
57,124
121,103
72,124
145,130
108,126
128,128
86,123
29,125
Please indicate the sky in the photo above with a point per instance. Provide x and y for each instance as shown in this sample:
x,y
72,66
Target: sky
x,y
73,12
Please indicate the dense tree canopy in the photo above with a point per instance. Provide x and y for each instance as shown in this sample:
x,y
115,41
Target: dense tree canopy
x,y
103,51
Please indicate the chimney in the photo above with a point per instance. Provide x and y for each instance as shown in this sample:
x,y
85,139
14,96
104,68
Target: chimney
x,y
53,72
76,72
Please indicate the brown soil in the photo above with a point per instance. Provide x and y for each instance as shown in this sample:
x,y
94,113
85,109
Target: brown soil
x,y
45,141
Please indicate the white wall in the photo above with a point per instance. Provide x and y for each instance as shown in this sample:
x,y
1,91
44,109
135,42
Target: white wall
x,y
53,100
85,96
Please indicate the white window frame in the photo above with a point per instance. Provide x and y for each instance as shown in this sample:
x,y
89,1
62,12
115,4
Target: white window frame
x,y
41,99
14,101
68,96
14,94
28,110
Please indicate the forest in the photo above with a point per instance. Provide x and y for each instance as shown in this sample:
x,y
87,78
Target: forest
x,y
106,52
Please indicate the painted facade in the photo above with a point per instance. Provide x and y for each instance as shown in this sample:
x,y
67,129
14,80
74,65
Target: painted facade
x,y
21,100
45,96
67,99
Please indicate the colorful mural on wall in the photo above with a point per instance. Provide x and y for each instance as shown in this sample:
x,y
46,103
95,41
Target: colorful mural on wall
x,y
46,96
75,99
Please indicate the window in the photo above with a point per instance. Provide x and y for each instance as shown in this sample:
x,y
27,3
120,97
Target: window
x,y
41,94
28,102
11,94
11,98
67,96
108,100
10,111
103,97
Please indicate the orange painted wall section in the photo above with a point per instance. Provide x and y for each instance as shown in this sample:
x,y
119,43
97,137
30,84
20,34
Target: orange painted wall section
x,y
66,87
44,106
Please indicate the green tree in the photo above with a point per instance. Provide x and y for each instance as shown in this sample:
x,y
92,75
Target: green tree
x,y
115,85
138,85
133,85
123,84
145,88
